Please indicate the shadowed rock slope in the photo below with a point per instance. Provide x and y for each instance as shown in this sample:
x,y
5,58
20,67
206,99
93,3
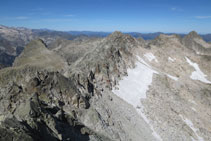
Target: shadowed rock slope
x,y
35,97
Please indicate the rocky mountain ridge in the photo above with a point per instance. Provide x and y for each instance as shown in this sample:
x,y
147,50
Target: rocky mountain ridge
x,y
13,40
115,88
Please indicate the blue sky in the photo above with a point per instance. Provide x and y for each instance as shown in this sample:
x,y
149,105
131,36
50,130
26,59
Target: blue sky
x,y
180,16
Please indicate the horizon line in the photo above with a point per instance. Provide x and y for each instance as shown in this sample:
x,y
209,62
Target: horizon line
x,y
150,32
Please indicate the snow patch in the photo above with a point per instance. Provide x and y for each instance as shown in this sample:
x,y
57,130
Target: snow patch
x,y
171,59
190,124
150,57
197,74
172,77
133,88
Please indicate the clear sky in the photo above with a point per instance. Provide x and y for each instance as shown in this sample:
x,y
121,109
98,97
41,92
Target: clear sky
x,y
180,16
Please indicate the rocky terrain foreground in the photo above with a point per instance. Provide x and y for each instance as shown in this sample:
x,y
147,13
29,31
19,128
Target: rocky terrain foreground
x,y
115,88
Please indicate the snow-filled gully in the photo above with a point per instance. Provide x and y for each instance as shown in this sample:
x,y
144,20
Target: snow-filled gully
x,y
133,88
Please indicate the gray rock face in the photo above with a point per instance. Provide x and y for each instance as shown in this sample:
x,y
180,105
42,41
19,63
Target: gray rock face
x,y
196,43
50,95
38,110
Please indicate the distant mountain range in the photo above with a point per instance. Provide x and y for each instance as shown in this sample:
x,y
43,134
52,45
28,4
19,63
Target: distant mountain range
x,y
145,36
14,39
74,34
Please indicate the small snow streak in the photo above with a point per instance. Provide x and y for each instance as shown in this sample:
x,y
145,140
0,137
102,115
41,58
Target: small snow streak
x,y
150,57
171,59
190,124
172,77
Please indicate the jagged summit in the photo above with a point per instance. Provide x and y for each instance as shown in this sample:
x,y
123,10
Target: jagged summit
x,y
109,59
116,34
189,38
192,35
196,43
119,40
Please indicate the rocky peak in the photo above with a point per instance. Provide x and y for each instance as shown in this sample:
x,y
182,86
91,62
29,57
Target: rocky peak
x,y
116,34
195,42
31,50
192,35
38,54
112,47
119,37
35,44
101,68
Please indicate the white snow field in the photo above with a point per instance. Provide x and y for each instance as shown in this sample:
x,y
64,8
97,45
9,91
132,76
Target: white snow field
x,y
133,88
